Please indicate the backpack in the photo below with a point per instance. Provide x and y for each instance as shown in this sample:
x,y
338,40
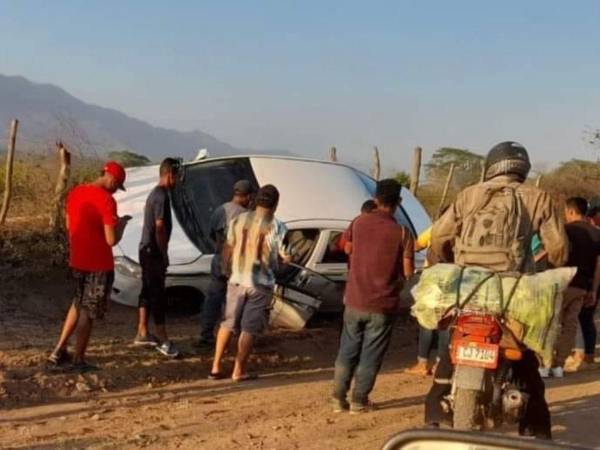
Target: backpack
x,y
494,234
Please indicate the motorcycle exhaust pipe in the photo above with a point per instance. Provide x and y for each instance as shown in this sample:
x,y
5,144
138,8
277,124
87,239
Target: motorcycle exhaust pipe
x,y
513,404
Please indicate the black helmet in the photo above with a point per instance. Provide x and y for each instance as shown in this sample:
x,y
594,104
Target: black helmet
x,y
507,158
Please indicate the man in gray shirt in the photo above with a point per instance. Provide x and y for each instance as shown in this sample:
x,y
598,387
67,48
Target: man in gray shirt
x,y
220,219
154,260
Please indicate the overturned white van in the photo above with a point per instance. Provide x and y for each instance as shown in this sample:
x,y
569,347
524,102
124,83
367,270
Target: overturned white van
x,y
318,201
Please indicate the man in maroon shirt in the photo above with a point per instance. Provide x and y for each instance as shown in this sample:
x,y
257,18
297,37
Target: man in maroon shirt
x,y
381,257
93,228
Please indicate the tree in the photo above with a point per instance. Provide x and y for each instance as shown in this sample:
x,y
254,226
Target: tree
x,y
129,159
467,166
573,178
403,178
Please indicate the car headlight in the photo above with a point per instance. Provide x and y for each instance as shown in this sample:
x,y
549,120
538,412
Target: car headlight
x,y
127,267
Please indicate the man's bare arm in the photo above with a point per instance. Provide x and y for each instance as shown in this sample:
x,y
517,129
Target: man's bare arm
x,y
348,248
114,233
226,255
162,239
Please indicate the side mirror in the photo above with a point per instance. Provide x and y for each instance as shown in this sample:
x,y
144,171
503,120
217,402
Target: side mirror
x,y
433,439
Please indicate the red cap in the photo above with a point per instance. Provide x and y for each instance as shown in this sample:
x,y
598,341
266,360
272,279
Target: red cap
x,y
117,171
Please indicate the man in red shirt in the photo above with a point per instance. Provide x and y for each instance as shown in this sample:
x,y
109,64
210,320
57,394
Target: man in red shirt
x,y
381,258
93,228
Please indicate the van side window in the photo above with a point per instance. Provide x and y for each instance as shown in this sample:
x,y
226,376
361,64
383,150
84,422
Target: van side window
x,y
300,244
334,253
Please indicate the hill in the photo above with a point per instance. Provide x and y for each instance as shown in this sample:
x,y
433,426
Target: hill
x,y
48,112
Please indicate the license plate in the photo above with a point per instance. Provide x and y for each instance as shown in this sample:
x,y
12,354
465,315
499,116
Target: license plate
x,y
476,354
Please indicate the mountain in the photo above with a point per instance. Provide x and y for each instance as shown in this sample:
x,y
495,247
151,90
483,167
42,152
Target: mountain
x,y
47,113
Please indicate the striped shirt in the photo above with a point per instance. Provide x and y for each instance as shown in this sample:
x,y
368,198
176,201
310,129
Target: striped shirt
x,y
257,242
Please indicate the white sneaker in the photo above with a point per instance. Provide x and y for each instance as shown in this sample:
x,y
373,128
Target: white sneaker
x,y
544,372
558,372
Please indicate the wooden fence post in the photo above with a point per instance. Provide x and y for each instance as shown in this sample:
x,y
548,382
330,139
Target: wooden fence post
x,y
376,164
446,189
61,185
539,180
10,157
333,154
416,170
482,177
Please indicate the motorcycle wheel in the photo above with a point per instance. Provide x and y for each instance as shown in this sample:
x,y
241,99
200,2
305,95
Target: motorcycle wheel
x,y
465,409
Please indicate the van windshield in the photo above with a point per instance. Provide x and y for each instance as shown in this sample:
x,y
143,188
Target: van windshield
x,y
203,188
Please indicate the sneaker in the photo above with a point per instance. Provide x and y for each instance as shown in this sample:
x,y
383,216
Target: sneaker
x,y
544,372
167,348
339,406
574,362
557,372
420,369
145,341
361,408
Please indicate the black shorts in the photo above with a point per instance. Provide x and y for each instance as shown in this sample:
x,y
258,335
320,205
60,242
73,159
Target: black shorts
x,y
93,291
154,294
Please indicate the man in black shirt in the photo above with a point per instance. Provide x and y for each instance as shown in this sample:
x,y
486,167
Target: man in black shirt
x,y
584,240
154,259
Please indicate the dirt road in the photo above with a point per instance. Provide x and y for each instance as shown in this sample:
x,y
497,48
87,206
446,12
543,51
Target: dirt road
x,y
139,399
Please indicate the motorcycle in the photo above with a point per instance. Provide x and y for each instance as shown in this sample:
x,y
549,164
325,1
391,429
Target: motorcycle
x,y
483,348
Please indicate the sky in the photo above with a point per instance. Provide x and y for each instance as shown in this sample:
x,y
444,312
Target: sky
x,y
305,75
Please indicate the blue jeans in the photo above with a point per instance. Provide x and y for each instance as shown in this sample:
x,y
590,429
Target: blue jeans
x,y
427,342
363,343
212,309
587,334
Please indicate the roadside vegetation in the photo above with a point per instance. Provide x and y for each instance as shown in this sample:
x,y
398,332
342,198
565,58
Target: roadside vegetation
x,y
26,240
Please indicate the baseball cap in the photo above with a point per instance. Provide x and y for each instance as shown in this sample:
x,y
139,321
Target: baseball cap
x,y
242,187
117,171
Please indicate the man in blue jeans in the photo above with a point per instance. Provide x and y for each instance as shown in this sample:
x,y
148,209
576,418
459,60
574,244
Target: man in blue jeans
x,y
382,257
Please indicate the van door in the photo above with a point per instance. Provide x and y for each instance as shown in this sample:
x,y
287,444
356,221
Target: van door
x,y
325,274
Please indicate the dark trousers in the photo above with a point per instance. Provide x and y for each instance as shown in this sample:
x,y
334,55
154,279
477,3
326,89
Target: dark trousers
x,y
212,309
364,340
154,293
526,377
588,328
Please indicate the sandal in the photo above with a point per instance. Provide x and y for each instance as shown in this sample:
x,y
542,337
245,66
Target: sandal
x,y
245,377
216,376
58,358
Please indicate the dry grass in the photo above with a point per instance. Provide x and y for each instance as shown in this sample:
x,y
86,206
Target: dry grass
x,y
27,245
571,179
